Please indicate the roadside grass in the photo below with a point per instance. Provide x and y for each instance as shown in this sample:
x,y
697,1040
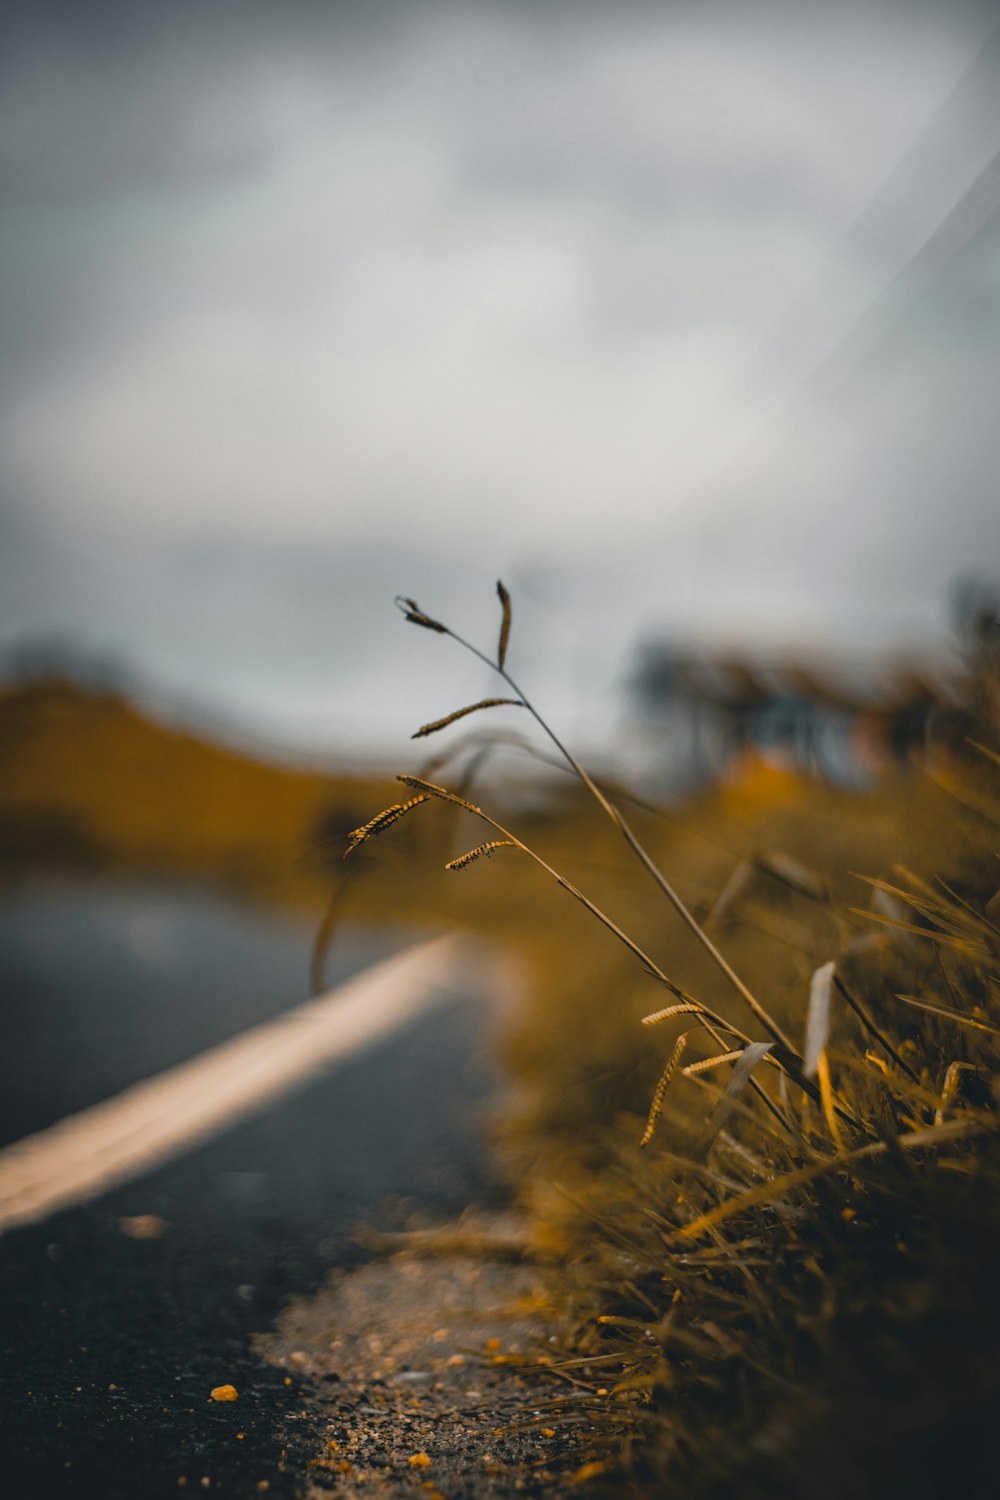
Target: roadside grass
x,y
788,1299
792,1289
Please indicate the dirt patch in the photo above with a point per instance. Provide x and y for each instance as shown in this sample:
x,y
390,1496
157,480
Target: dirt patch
x,y
429,1376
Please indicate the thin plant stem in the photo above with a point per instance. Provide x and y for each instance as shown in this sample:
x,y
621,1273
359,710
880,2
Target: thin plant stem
x,y
618,818
787,1053
866,1020
714,1024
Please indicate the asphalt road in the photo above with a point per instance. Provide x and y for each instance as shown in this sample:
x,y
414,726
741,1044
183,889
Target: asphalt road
x,y
110,1345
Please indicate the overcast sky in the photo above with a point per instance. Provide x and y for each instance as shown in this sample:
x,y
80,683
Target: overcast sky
x,y
677,314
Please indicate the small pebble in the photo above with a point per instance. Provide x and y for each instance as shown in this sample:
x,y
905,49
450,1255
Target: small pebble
x,y
142,1226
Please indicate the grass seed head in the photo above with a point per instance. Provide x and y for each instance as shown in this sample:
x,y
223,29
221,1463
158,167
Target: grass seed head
x,y
460,713
433,790
382,821
659,1093
707,1063
412,612
504,598
480,850
689,1008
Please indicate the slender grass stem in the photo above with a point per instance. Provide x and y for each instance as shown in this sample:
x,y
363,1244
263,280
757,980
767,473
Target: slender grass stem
x,y
642,854
713,1023
787,1054
868,1023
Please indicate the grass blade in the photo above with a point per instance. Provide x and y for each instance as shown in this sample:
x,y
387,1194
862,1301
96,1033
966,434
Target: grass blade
x,y
818,1018
930,1137
964,945
741,1076
948,1014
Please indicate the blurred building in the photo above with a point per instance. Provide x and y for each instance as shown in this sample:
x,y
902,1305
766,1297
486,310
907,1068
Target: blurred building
x,y
697,712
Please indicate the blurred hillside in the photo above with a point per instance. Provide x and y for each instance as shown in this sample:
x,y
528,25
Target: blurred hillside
x,y
87,780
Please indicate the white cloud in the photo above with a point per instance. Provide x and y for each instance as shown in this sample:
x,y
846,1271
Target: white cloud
x,y
500,280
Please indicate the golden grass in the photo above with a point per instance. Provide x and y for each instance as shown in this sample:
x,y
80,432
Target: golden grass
x,y
794,1292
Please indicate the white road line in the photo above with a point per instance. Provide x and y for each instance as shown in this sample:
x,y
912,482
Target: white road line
x,y
87,1153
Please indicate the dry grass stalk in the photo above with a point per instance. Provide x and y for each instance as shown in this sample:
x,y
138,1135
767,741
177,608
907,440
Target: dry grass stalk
x,y
949,1015
787,1054
432,789
929,1139
416,615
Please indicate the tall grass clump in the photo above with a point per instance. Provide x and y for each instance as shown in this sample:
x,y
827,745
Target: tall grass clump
x,y
762,1123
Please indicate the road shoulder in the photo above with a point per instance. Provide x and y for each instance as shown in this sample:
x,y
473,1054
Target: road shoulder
x,y
427,1371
